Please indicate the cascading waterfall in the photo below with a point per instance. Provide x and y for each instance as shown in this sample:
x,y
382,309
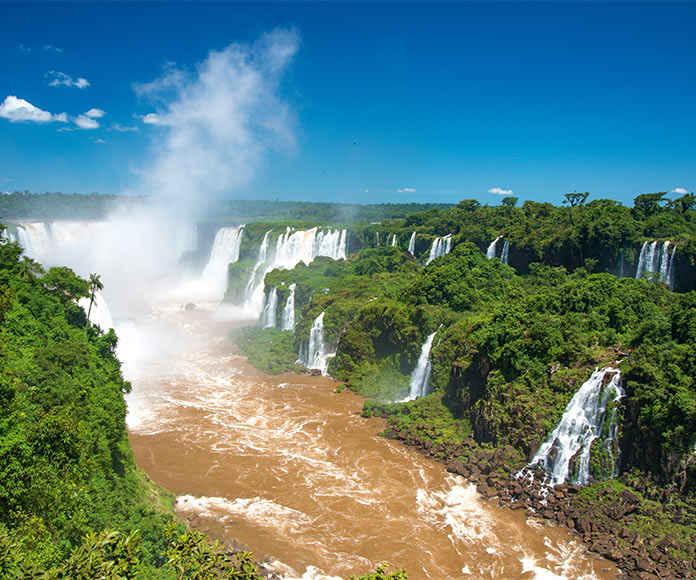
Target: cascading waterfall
x,y
268,315
505,256
291,249
440,247
393,241
590,415
313,355
412,243
490,252
670,271
288,319
420,377
377,236
225,251
260,261
658,262
99,314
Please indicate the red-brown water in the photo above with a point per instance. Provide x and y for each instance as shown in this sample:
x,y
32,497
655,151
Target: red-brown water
x,y
287,465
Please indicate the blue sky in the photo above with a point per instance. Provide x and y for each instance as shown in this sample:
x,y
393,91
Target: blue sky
x,y
428,102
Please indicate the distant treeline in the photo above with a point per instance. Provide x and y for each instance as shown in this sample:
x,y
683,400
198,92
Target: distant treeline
x,y
56,206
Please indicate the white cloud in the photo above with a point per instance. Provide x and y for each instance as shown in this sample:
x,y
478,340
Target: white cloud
x,y
152,119
16,109
123,128
407,190
23,48
95,113
6,179
51,48
500,191
219,120
85,122
680,190
100,141
60,79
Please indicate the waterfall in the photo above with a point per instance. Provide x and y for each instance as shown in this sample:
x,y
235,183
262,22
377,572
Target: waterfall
x,y
225,251
268,315
490,252
420,377
100,315
590,415
664,262
412,243
377,236
658,262
288,320
440,247
393,242
670,271
505,256
314,355
641,260
291,249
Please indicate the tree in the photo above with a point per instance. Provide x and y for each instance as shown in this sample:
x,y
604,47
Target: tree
x,y
648,204
510,201
576,198
95,285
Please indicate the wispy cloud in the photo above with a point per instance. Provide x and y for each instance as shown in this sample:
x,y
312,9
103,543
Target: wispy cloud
x,y
123,128
218,121
500,191
680,190
51,48
407,190
23,48
100,141
60,79
15,110
6,179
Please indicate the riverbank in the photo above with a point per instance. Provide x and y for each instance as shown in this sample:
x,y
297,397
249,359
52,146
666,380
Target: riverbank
x,y
647,539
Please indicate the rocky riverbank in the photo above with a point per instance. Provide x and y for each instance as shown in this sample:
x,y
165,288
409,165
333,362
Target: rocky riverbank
x,y
648,540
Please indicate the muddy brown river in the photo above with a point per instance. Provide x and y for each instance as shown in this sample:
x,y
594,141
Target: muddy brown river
x,y
286,465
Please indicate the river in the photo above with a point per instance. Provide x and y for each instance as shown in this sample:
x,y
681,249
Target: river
x,y
288,466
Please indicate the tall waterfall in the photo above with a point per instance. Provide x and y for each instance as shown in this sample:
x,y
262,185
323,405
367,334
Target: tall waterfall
x,y
590,415
670,271
490,252
268,315
377,236
224,252
100,313
291,249
505,256
440,247
313,353
288,320
393,240
659,262
412,243
420,377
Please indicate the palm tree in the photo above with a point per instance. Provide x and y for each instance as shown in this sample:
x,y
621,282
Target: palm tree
x,y
95,285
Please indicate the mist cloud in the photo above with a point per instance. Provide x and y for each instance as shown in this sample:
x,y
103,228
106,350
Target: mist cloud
x,y
213,125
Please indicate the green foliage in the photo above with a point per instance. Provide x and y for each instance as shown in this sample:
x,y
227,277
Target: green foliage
x,y
270,349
